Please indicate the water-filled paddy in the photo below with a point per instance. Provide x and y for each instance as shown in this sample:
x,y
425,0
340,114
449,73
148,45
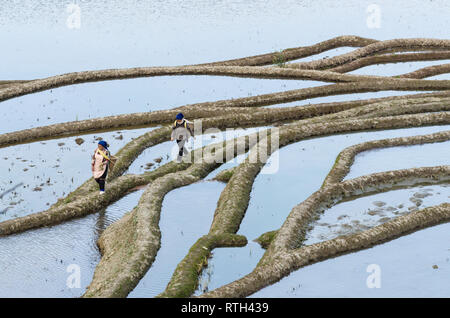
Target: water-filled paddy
x,y
93,100
302,169
362,213
36,263
44,171
416,265
167,151
131,33
186,215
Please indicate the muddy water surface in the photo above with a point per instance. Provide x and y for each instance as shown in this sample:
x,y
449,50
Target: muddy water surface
x,y
186,215
38,43
39,263
362,213
35,175
302,169
416,265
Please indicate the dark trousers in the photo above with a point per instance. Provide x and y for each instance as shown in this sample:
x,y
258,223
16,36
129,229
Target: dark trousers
x,y
181,149
101,180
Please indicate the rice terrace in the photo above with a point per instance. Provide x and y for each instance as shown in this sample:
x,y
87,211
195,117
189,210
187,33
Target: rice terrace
x,y
225,149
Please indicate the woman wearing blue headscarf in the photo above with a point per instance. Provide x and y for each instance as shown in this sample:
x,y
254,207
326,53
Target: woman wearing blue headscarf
x,y
100,163
181,131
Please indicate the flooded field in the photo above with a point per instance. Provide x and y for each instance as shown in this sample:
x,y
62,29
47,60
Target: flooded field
x,y
410,266
304,166
186,218
42,39
37,174
37,263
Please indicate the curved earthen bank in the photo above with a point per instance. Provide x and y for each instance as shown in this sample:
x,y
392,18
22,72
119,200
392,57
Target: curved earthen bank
x,y
235,197
129,246
225,117
283,256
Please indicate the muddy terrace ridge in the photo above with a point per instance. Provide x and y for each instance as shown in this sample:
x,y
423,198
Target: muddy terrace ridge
x,y
130,246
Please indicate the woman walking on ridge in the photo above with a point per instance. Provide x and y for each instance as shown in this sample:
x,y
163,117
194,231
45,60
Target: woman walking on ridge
x,y
181,131
100,163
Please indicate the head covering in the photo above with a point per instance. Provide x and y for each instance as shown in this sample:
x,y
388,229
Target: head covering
x,y
180,116
103,143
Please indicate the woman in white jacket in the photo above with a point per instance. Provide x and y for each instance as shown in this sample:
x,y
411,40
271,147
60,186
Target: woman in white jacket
x,y
181,131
